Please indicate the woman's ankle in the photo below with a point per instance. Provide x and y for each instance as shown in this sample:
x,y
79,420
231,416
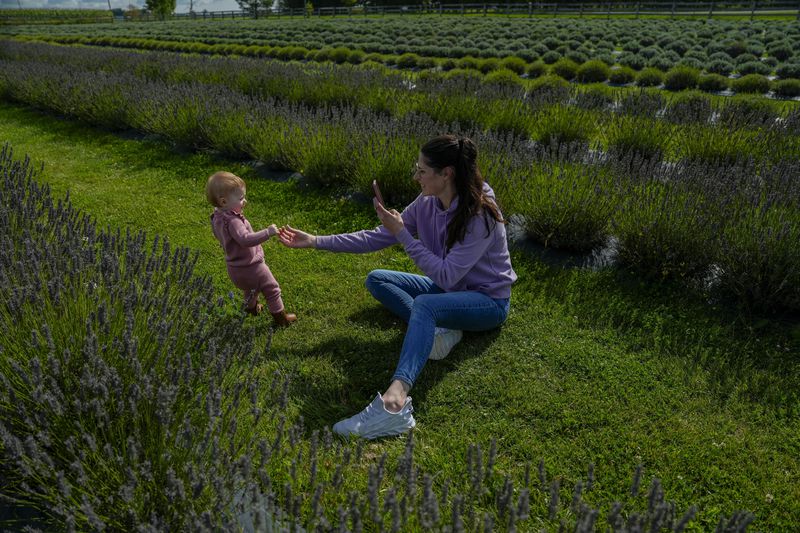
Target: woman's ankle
x,y
394,399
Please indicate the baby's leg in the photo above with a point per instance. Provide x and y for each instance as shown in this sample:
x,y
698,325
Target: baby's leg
x,y
268,286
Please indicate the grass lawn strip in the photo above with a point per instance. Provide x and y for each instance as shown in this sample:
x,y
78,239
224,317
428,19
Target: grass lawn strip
x,y
590,368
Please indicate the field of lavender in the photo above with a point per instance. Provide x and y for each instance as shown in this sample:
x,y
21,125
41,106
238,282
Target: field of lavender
x,y
223,440
713,56
722,47
688,188
133,393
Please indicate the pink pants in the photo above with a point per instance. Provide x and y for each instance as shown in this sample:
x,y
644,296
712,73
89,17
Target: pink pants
x,y
255,279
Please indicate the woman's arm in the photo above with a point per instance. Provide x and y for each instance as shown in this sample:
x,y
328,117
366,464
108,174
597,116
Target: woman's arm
x,y
463,256
356,242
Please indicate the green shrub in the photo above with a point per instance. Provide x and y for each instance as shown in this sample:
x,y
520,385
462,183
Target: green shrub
x,y
634,61
551,57
745,58
661,62
592,72
780,50
565,68
710,83
321,55
560,124
536,69
758,256
650,77
664,230
463,73
622,76
691,62
488,65
628,135
502,76
513,63
597,96
408,60
356,57
681,78
786,88
426,63
468,62
339,54
751,84
557,88
447,63
720,66
563,206
754,67
788,70
376,57
577,56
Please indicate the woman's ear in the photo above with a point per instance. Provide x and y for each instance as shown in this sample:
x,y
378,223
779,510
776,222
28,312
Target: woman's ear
x,y
449,172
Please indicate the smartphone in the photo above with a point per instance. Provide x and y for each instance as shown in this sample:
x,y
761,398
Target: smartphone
x,y
377,192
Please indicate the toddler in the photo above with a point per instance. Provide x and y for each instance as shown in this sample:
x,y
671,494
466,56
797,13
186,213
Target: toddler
x,y
242,245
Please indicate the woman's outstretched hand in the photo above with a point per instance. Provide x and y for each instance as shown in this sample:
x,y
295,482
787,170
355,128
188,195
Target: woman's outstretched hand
x,y
390,218
295,238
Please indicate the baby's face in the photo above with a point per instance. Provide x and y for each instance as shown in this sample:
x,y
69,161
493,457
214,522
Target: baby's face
x,y
236,200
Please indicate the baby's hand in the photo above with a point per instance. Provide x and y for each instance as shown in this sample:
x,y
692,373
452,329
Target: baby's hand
x,y
272,230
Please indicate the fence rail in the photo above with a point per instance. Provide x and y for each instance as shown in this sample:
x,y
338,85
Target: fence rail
x,y
709,9
670,8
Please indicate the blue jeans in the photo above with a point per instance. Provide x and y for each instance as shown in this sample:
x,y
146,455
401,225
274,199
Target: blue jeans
x,y
424,306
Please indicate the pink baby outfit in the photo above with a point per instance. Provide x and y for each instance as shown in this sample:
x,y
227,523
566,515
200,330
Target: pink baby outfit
x,y
245,258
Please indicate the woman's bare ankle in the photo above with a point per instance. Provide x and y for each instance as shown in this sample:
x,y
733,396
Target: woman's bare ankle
x,y
394,399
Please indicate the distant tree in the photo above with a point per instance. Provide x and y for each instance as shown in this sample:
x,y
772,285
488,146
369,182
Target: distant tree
x,y
254,5
290,4
162,8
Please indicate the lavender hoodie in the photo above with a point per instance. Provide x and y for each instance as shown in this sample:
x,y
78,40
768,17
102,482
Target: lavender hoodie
x,y
242,245
478,263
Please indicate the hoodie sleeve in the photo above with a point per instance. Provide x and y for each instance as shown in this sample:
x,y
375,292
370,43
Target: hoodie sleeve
x,y
369,240
244,236
447,272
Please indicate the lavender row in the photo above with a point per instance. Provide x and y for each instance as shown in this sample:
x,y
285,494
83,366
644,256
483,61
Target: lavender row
x,y
445,97
733,216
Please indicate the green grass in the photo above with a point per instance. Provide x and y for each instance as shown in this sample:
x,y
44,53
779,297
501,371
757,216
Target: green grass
x,y
590,367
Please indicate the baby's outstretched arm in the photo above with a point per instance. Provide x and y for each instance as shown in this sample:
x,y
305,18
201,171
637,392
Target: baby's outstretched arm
x,y
245,237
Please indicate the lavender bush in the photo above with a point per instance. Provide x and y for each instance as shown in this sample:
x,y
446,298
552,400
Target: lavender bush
x,y
119,403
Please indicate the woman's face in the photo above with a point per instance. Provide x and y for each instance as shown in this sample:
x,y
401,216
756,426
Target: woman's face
x,y
431,181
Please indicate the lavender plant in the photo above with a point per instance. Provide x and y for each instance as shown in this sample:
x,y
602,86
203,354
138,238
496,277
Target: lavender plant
x,y
118,406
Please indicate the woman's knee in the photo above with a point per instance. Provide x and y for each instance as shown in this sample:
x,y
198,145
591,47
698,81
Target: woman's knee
x,y
375,278
424,305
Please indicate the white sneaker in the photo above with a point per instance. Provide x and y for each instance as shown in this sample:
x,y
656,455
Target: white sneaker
x,y
443,341
375,421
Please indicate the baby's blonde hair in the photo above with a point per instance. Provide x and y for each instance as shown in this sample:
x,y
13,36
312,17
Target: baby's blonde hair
x,y
221,184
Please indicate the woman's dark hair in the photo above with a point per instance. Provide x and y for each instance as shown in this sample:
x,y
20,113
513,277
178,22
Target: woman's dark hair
x,y
462,154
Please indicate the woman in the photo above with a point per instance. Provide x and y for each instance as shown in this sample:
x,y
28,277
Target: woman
x,y
455,234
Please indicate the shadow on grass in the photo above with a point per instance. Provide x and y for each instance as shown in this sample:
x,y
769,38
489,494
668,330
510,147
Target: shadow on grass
x,y
368,367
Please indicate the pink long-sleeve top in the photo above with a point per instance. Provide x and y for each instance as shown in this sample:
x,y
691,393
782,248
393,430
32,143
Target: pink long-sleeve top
x,y
242,245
